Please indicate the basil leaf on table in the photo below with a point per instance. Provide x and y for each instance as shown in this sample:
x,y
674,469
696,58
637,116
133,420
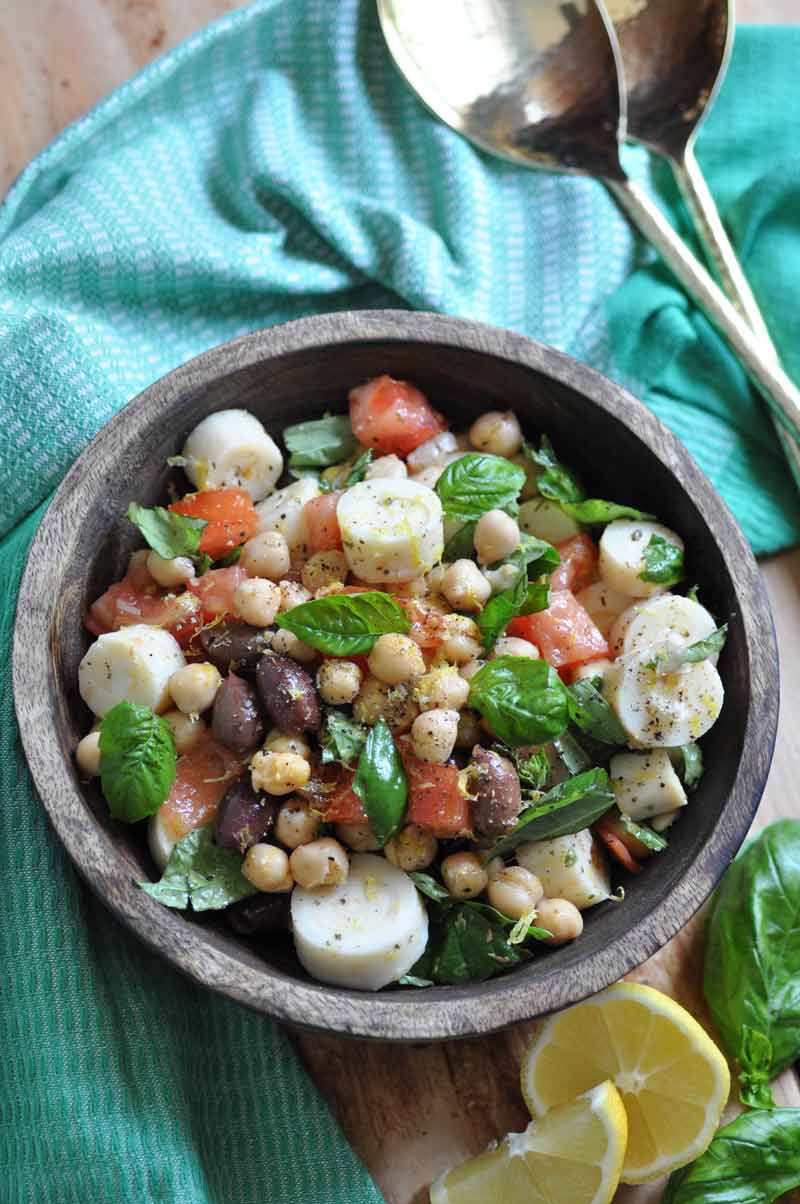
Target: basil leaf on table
x,y
524,598
595,512
476,483
137,761
663,561
670,662
166,533
345,624
752,960
380,782
460,546
320,443
753,1160
593,714
359,469
643,833
524,700
342,738
567,808
201,874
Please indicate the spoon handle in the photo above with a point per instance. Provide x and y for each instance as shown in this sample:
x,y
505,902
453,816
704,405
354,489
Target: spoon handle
x,y
720,253
772,382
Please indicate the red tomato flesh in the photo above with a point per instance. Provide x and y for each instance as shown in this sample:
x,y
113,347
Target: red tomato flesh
x,y
564,633
578,561
608,830
216,588
122,606
202,777
427,625
230,514
322,526
330,792
392,416
435,801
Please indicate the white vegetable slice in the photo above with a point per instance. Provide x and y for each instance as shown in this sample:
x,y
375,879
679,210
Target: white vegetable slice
x,y
230,448
391,529
651,622
645,783
622,547
546,520
283,511
569,867
664,710
365,933
604,605
160,841
133,664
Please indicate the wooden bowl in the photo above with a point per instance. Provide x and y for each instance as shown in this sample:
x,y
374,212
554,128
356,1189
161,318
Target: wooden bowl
x,y
297,371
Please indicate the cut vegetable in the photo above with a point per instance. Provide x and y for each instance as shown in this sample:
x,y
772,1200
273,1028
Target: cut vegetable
x,y
622,555
229,448
284,511
650,623
570,867
662,711
391,529
646,784
130,665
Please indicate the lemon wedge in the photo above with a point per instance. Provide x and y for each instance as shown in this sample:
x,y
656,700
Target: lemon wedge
x,y
573,1155
673,1080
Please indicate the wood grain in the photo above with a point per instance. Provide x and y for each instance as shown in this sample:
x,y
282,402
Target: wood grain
x,y
409,1111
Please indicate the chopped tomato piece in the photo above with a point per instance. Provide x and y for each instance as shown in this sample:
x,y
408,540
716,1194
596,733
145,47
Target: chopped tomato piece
x,y
616,840
564,633
330,792
229,513
435,800
578,560
392,416
122,606
202,777
216,588
322,526
427,625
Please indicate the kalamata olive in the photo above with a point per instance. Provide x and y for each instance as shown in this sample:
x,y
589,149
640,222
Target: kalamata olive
x,y
233,645
260,915
236,719
288,694
497,798
244,817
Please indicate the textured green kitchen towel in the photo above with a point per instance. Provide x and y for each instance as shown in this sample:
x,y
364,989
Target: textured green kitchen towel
x,y
275,166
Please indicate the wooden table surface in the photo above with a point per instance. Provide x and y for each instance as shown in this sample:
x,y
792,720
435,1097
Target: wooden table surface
x,y
409,1112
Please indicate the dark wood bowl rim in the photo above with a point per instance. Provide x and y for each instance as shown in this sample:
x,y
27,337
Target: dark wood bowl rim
x,y
436,1013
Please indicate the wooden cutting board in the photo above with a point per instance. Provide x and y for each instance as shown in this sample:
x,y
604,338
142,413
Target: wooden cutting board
x,y
410,1112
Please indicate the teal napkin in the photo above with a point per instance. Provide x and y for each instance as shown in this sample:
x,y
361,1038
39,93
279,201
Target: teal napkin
x,y
273,166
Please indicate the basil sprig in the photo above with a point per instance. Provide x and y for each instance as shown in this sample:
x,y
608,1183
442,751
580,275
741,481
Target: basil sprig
x,y
321,442
670,662
524,700
752,960
200,874
753,1160
167,533
380,782
524,598
345,624
663,561
359,469
567,808
137,761
342,738
558,484
593,714
476,483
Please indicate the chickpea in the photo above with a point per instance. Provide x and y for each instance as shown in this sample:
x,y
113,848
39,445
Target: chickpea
x,y
431,451
288,644
561,918
267,868
515,891
358,837
469,669
323,569
512,645
296,823
496,536
323,862
266,555
395,659
170,573
413,848
186,729
433,735
465,586
495,867
338,682
599,668
293,594
442,686
377,700
87,755
287,742
501,578
462,640
463,875
194,687
137,571
386,466
257,601
497,433
469,730
435,578
279,773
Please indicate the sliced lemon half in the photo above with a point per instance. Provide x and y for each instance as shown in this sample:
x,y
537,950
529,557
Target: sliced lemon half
x,y
573,1155
673,1080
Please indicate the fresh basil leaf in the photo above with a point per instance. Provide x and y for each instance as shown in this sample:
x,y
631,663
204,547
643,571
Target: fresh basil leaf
x,y
342,738
690,765
693,593
556,482
428,886
460,546
137,761
345,624
359,469
594,512
464,945
203,563
321,442
567,808
534,556
233,557
524,598
663,561
593,714
572,754
380,783
643,833
200,873
752,960
670,662
753,1160
524,700
166,533
476,483
410,980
